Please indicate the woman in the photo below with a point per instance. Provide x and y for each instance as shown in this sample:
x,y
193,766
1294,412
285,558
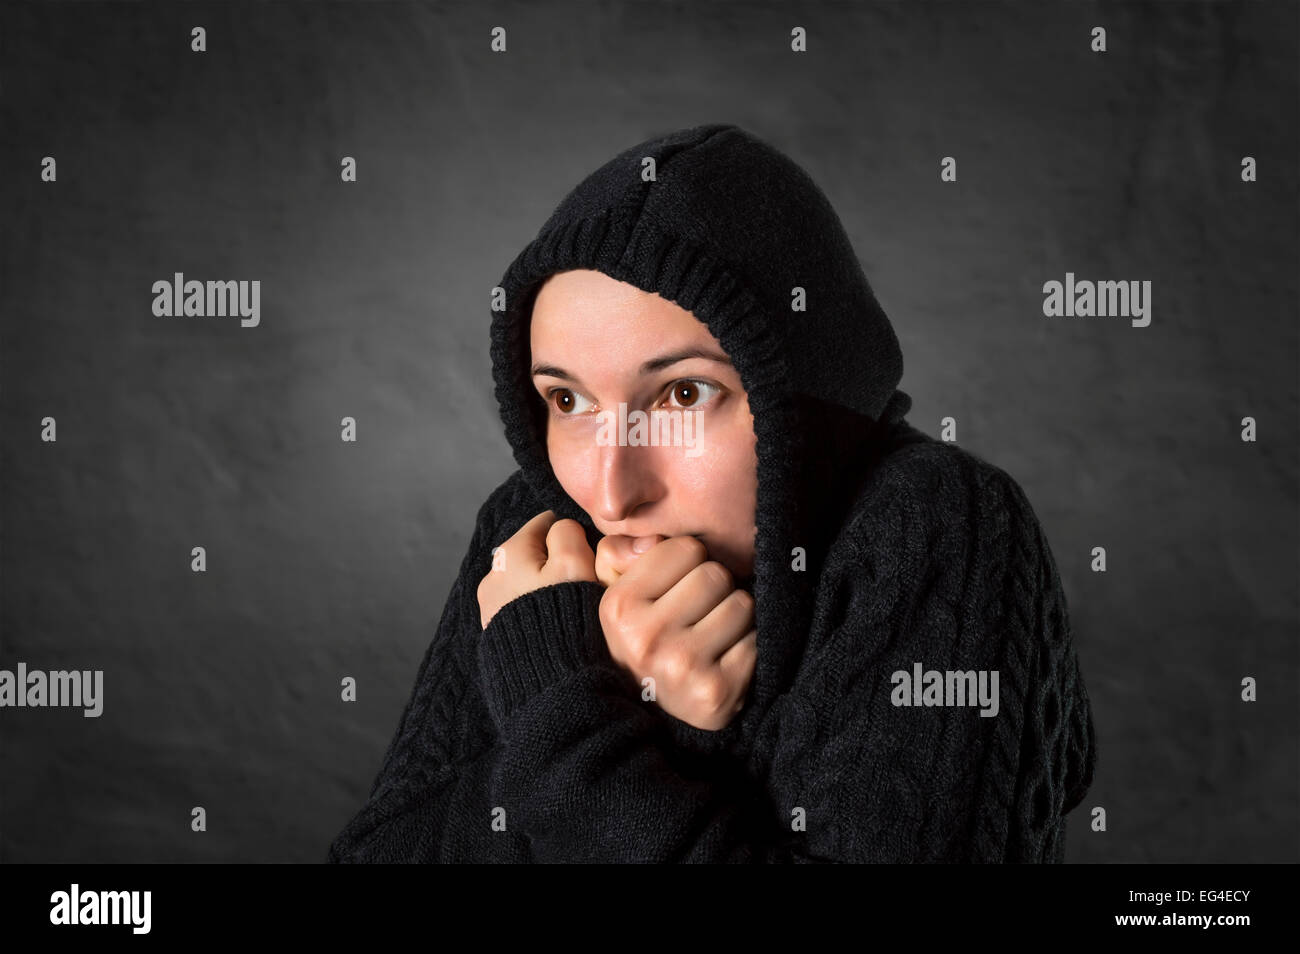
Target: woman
x,y
813,634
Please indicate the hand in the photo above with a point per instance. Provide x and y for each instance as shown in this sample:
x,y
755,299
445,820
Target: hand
x,y
543,551
615,555
675,616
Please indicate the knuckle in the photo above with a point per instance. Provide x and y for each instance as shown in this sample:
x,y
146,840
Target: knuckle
x,y
563,528
613,605
711,692
616,621
641,649
743,601
717,574
638,648
693,548
674,663
575,568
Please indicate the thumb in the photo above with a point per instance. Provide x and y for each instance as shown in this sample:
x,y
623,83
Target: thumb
x,y
616,554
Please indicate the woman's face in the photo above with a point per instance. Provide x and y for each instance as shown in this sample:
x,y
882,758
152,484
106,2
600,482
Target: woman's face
x,y
598,343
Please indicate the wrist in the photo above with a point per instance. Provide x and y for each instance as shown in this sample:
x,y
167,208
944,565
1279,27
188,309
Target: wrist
x,y
537,639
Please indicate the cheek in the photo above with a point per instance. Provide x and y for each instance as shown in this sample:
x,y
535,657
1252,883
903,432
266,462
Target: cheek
x,y
574,464
721,484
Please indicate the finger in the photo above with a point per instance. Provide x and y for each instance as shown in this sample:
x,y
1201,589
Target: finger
x,y
739,662
609,563
568,555
656,571
696,594
725,625
528,545
616,553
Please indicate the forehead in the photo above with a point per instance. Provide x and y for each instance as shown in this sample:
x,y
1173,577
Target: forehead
x,y
588,313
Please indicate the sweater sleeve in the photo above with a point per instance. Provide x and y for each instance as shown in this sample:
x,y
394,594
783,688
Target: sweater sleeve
x,y
588,768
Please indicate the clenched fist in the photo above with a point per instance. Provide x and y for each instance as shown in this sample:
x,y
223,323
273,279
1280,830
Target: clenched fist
x,y
542,552
674,615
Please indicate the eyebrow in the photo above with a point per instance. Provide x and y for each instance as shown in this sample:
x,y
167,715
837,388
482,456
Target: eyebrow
x,y
654,364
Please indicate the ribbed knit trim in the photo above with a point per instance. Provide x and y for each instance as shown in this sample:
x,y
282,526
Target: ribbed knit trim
x,y
630,247
536,639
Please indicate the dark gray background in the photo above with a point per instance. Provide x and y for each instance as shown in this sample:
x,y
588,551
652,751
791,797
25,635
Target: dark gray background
x,y
328,559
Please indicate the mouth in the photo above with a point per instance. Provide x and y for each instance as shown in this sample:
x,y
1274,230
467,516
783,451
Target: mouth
x,y
657,533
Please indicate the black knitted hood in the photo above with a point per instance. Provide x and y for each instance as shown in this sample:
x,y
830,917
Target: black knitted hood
x,y
728,229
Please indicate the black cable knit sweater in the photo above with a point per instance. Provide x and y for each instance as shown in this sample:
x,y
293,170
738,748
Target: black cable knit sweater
x,y
525,742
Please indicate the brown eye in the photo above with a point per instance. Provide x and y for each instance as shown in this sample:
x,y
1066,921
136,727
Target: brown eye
x,y
692,394
566,401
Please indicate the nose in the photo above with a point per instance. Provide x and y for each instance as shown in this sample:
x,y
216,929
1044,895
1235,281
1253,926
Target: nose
x,y
627,480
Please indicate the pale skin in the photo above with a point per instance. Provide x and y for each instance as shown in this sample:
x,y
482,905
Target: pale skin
x,y
672,610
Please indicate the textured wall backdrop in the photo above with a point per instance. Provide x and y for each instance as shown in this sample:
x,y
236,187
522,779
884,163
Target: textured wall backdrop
x,y
327,558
